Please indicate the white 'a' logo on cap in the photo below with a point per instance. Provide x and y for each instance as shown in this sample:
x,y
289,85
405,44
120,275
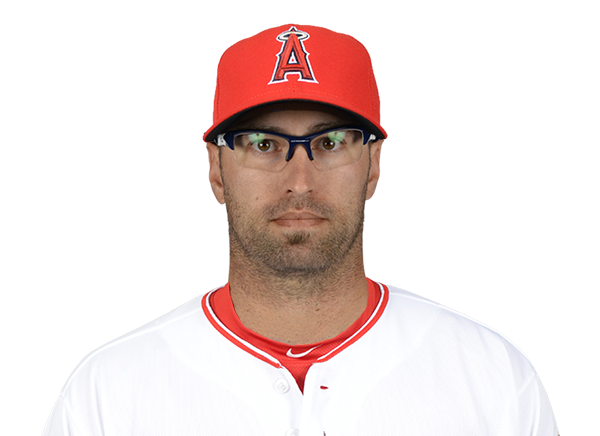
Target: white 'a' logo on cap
x,y
293,57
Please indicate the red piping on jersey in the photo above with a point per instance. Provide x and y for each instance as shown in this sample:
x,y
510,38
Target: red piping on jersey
x,y
266,357
233,338
385,294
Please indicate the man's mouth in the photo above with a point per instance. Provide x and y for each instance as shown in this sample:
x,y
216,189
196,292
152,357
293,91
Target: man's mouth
x,y
298,219
299,215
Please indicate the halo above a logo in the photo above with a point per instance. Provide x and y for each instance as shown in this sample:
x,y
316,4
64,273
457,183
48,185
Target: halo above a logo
x,y
284,36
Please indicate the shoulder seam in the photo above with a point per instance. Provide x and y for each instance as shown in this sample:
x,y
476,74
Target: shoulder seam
x,y
415,297
69,412
526,384
145,329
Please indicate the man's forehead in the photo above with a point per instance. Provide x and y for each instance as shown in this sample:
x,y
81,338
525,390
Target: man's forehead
x,y
323,114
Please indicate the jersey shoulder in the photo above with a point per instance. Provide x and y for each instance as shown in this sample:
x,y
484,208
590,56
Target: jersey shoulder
x,y
136,348
436,327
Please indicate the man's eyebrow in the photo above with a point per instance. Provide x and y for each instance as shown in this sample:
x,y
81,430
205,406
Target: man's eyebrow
x,y
329,125
315,128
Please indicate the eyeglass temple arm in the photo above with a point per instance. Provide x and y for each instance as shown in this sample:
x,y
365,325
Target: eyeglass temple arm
x,y
220,141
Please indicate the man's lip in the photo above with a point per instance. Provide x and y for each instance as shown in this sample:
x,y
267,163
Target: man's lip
x,y
292,216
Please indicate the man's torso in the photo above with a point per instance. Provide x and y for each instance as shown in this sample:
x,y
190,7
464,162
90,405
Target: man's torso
x,y
421,369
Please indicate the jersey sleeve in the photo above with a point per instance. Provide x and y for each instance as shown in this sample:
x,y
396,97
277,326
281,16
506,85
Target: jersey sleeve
x,y
60,422
535,413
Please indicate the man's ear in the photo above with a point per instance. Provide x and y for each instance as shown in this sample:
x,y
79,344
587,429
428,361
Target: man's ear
x,y
375,151
214,172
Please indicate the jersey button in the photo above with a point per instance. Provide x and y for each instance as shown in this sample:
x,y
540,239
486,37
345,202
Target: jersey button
x,y
281,386
292,432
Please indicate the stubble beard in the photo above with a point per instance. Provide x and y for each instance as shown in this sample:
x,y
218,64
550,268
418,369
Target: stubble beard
x,y
298,254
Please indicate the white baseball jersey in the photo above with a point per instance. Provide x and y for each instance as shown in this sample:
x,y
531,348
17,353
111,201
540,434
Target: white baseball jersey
x,y
420,369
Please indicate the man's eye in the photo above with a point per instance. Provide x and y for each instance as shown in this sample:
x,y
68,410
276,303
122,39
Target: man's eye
x,y
329,144
333,140
264,145
260,143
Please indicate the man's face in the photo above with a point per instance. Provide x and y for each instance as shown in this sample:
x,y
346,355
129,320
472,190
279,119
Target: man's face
x,y
300,220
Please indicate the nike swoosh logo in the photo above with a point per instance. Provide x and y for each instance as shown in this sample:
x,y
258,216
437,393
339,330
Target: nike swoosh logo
x,y
290,354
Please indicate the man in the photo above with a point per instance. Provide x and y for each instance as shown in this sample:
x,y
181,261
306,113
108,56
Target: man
x,y
300,342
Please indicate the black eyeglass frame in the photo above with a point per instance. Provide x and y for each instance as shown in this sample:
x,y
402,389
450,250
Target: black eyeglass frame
x,y
226,139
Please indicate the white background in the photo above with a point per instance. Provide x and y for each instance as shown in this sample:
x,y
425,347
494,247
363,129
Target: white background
x,y
29,31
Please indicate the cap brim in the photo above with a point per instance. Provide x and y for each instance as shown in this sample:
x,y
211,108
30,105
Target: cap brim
x,y
225,125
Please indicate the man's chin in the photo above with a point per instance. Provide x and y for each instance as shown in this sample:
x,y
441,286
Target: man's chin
x,y
298,237
297,267
300,257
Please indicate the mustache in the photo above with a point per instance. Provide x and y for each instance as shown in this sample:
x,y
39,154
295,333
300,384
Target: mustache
x,y
293,203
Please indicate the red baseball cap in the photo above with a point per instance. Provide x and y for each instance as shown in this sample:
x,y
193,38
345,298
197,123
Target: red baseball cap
x,y
296,63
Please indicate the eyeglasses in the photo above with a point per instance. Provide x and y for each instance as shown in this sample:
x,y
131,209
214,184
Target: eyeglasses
x,y
271,151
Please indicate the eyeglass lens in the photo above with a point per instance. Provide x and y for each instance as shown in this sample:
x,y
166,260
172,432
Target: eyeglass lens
x,y
268,151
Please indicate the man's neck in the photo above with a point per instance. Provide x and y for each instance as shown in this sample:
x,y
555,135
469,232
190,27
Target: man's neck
x,y
302,309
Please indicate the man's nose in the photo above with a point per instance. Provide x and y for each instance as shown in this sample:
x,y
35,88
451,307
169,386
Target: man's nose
x,y
300,172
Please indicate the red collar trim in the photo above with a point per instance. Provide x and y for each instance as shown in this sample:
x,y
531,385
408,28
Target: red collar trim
x,y
270,359
232,337
381,304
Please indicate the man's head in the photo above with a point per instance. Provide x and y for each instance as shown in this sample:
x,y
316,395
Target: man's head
x,y
290,215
